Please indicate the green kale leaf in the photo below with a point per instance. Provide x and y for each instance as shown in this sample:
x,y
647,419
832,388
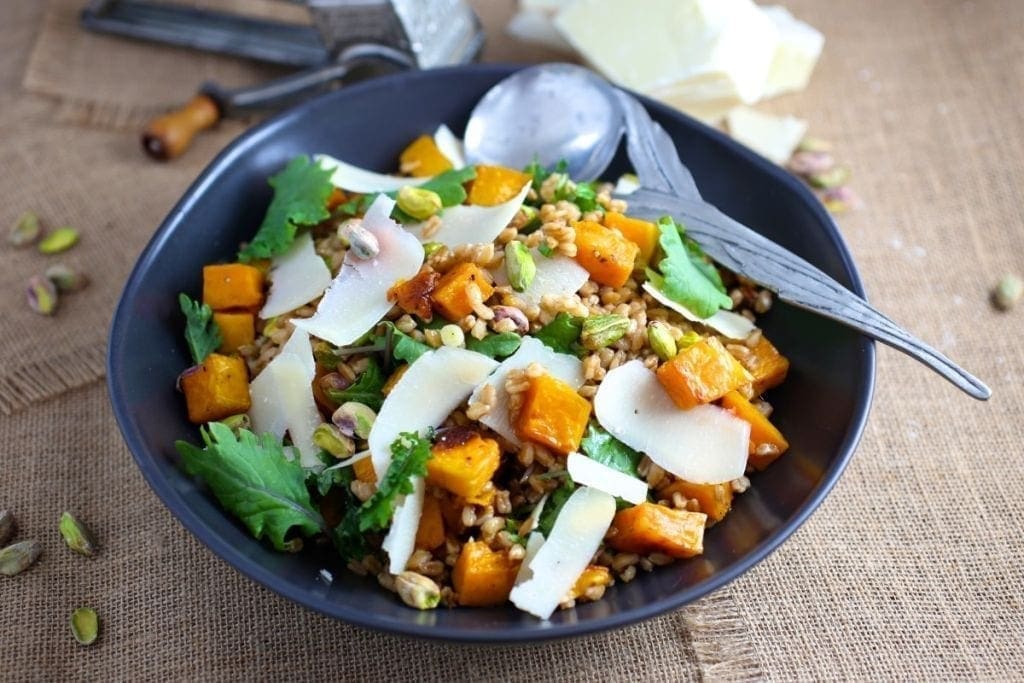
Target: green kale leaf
x,y
601,446
495,345
201,334
681,280
562,334
409,455
556,499
252,479
300,198
403,347
367,389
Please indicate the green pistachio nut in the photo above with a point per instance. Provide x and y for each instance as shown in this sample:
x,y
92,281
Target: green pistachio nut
x,y
519,265
361,242
1008,292
329,438
688,339
419,203
66,279
237,422
354,419
16,558
661,340
59,240
42,295
85,625
431,248
812,144
26,230
600,331
417,590
6,526
77,535
834,177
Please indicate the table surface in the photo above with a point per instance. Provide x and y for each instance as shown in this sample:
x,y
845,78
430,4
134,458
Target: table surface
x,y
912,567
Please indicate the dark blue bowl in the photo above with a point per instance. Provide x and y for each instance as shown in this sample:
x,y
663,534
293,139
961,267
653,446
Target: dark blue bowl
x,y
821,408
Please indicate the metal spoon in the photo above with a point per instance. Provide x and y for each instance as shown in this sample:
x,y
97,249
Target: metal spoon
x,y
562,111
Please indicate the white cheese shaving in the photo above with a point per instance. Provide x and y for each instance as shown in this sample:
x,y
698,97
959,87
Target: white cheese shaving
x,y
425,395
400,541
703,445
464,224
534,519
296,277
355,179
533,543
282,398
567,368
450,146
556,276
357,299
588,472
773,137
577,534
732,325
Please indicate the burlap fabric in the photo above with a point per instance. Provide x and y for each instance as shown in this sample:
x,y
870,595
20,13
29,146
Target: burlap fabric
x,y
911,569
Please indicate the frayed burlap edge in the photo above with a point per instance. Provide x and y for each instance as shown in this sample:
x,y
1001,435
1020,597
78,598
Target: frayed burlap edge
x,y
44,380
720,639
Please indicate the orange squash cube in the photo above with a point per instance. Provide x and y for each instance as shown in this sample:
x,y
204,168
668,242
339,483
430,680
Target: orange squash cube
x,y
217,389
594,575
648,528
483,577
766,441
701,373
552,414
430,533
363,469
607,255
451,296
714,500
642,233
413,295
463,462
496,185
767,365
236,329
336,198
423,159
232,285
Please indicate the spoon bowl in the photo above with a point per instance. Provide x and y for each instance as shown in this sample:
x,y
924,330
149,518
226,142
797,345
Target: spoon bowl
x,y
563,110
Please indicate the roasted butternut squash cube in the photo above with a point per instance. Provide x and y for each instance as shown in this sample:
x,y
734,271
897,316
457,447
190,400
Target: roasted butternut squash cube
x,y
607,255
363,469
430,533
766,365
483,577
216,389
463,462
642,233
236,329
413,295
766,441
714,500
496,185
701,373
336,198
592,577
552,414
452,296
649,528
232,285
423,159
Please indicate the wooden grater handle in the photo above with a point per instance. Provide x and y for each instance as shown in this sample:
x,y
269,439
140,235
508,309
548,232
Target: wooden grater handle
x,y
169,135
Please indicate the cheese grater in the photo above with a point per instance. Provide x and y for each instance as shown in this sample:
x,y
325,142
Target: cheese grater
x,y
340,36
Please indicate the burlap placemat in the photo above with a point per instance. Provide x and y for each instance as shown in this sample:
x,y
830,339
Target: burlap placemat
x,y
910,570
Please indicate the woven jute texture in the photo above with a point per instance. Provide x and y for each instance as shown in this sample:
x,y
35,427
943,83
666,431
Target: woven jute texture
x,y
912,568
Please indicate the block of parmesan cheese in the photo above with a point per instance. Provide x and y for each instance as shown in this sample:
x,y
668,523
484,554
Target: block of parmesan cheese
x,y
798,51
774,137
700,55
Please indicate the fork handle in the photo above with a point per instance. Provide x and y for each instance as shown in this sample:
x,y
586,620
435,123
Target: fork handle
x,y
796,281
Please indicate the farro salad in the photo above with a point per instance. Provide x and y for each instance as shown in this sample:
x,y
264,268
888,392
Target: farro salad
x,y
481,385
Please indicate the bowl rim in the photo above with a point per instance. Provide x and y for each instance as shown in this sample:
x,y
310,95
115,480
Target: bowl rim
x,y
165,490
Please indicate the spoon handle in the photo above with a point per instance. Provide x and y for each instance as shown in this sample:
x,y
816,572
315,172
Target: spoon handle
x,y
796,281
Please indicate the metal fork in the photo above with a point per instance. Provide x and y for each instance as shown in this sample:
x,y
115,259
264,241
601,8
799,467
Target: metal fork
x,y
668,188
